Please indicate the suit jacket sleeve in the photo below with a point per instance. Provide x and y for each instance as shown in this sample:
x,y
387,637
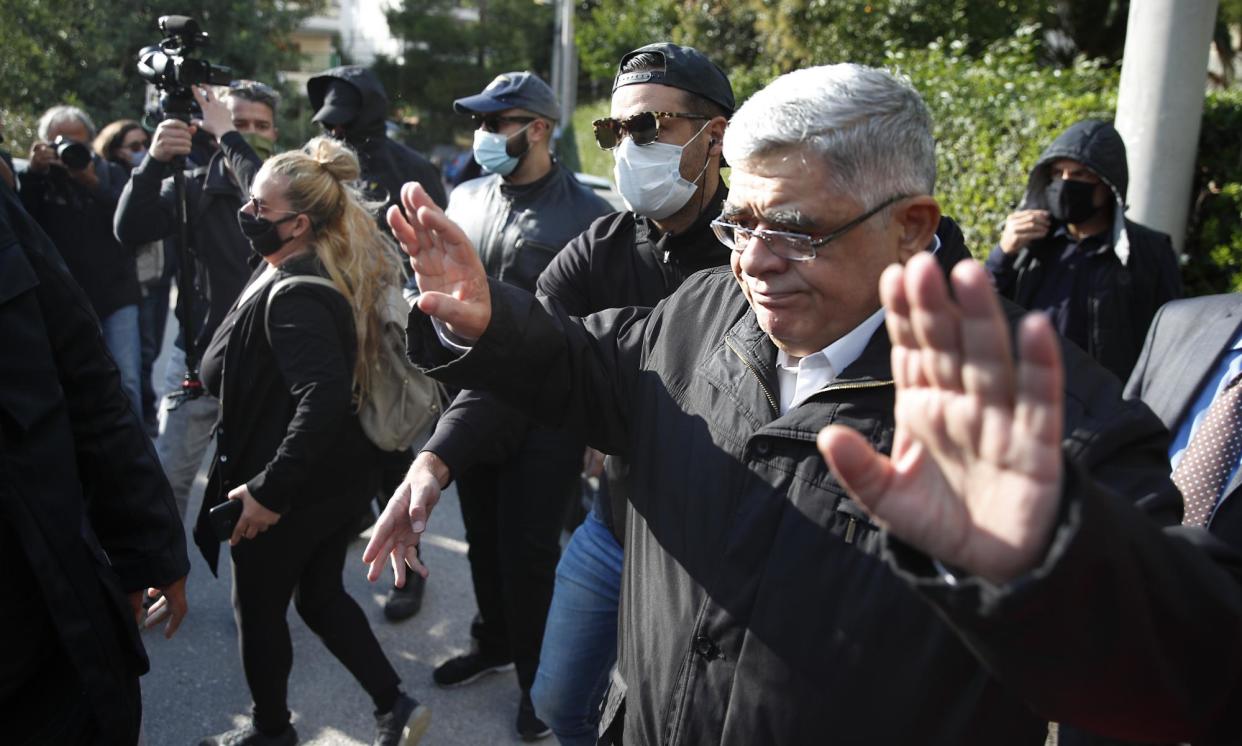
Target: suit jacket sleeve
x,y
130,505
307,344
576,374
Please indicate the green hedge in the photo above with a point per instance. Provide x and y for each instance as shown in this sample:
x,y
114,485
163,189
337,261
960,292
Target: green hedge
x,y
995,112
1213,257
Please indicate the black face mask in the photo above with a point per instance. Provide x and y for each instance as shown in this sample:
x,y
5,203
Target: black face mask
x,y
1071,201
261,232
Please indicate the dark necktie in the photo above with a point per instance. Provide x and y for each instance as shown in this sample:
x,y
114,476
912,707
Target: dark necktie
x,y
1211,455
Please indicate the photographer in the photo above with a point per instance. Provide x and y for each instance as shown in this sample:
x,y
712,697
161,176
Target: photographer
x,y
243,121
72,193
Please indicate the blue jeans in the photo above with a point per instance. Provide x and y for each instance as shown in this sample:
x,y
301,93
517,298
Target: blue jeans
x,y
124,341
580,640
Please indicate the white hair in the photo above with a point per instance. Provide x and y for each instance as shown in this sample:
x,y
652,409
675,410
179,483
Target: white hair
x,y
870,128
58,115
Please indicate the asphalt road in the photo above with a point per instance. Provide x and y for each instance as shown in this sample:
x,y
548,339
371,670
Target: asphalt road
x,y
196,688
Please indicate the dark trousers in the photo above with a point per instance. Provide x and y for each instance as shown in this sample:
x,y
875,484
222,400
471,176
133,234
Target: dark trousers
x,y
302,557
512,514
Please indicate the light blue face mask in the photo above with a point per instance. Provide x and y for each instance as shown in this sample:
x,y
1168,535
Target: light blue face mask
x,y
491,151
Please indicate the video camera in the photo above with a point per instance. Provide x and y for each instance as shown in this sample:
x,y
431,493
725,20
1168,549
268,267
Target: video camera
x,y
169,67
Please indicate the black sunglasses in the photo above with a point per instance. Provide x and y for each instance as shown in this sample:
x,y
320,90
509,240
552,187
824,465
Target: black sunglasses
x,y
643,127
492,122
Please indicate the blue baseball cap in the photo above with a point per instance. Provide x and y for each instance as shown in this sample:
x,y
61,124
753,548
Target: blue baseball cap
x,y
517,90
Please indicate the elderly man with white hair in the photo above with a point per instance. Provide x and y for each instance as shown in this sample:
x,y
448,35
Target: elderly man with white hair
x,y
959,560
73,199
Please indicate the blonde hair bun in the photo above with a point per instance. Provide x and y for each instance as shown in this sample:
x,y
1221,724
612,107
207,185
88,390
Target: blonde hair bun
x,y
337,158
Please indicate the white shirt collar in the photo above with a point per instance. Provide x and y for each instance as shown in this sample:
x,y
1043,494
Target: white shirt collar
x,y
800,380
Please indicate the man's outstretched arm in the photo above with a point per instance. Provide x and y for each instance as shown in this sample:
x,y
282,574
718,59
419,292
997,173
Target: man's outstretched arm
x,y
1099,614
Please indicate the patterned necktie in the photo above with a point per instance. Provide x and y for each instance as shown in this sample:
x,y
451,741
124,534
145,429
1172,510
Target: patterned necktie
x,y
1211,455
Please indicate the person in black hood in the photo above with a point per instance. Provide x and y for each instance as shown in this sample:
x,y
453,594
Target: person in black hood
x,y
1070,250
351,105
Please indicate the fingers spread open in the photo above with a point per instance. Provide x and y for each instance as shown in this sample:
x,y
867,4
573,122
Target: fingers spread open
x,y
1040,387
987,364
935,321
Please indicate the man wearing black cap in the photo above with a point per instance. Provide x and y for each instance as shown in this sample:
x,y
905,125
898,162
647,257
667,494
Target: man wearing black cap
x,y
351,105
628,258
519,216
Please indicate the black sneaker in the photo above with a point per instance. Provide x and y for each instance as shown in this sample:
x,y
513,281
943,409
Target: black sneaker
x,y
529,726
405,725
466,668
250,736
403,603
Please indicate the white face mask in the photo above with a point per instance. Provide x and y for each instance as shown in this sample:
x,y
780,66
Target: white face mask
x,y
649,177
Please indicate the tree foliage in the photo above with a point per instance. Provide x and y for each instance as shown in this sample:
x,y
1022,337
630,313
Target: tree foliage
x,y
448,56
85,53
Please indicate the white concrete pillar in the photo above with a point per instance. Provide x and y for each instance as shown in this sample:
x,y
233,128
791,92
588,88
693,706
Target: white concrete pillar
x,y
1160,106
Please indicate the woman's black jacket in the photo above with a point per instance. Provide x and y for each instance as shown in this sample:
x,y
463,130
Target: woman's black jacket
x,y
287,425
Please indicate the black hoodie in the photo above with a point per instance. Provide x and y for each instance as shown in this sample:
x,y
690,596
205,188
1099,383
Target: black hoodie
x,y
1135,272
386,165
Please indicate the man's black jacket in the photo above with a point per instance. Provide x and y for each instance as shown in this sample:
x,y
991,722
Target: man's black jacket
x,y
518,229
79,222
622,259
386,165
759,603
147,212
82,495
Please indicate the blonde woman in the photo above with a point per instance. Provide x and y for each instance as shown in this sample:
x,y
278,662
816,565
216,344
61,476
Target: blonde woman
x,y
289,371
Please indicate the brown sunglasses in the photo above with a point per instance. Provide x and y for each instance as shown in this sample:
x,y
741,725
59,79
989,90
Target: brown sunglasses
x,y
643,127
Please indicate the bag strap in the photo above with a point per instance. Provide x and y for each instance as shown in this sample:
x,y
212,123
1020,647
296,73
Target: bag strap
x,y
289,282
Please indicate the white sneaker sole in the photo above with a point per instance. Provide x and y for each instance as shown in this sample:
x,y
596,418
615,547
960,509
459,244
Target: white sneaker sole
x,y
416,726
477,676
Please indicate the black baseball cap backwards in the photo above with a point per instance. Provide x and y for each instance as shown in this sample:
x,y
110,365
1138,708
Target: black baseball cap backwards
x,y
685,68
512,91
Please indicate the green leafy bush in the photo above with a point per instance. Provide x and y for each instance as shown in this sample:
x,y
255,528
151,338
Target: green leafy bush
x,y
1213,257
993,115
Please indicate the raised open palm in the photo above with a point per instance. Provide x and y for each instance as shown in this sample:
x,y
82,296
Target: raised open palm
x,y
451,279
975,476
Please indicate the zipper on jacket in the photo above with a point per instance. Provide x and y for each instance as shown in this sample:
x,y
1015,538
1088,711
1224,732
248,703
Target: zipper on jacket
x,y
849,530
776,410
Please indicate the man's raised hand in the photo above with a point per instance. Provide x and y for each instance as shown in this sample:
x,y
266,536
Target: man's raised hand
x,y
451,280
975,475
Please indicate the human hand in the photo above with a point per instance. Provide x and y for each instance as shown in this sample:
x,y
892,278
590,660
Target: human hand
x,y
255,519
42,156
1023,227
592,463
400,527
172,138
169,604
975,475
451,280
217,119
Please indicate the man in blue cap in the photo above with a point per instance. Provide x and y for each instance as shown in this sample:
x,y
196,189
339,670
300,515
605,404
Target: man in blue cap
x,y
519,215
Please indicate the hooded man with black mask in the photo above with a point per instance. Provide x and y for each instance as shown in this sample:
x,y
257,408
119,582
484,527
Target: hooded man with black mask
x,y
1070,250
351,105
